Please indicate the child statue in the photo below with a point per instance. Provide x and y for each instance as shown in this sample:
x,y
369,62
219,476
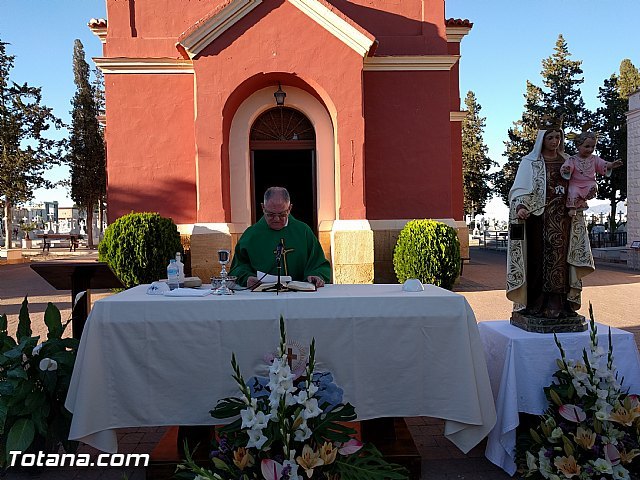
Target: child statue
x,y
581,171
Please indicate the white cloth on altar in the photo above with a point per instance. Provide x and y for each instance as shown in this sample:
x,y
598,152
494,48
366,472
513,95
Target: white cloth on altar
x,y
522,363
152,361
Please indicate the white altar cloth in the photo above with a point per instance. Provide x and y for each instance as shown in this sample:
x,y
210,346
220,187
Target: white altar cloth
x,y
149,360
522,363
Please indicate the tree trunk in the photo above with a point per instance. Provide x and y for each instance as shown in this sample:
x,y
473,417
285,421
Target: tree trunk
x,y
90,226
612,218
7,224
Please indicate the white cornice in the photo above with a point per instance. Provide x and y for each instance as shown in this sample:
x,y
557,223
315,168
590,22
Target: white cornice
x,y
427,62
215,26
335,25
100,32
456,34
458,116
143,65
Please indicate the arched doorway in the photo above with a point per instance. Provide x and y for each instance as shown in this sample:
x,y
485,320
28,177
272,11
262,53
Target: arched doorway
x,y
282,143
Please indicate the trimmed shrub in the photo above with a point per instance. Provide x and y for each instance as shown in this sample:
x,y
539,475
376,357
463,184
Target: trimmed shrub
x,y
138,247
429,251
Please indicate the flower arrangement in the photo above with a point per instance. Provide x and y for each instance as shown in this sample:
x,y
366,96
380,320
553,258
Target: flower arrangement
x,y
290,427
34,381
592,427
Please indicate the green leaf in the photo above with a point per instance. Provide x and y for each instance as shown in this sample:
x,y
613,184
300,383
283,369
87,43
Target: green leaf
x,y
24,322
21,435
17,372
368,464
227,408
3,416
53,321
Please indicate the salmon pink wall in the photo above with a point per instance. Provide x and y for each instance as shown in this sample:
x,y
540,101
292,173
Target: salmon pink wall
x,y
261,43
408,167
151,145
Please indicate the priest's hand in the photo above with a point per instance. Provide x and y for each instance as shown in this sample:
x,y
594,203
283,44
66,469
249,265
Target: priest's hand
x,y
317,281
252,282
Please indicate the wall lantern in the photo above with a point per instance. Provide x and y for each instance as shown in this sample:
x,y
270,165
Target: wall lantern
x,y
279,96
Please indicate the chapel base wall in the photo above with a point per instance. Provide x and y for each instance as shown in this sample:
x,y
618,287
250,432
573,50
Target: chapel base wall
x,y
358,255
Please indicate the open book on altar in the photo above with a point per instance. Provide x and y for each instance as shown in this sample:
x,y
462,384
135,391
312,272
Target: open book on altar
x,y
269,283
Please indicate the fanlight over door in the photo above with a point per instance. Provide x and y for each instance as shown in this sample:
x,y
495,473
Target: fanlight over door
x,y
282,128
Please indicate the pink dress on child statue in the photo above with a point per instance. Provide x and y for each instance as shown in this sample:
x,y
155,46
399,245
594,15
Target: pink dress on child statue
x,y
582,179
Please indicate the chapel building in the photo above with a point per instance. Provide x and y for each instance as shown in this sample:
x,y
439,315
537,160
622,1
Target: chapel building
x,y
368,135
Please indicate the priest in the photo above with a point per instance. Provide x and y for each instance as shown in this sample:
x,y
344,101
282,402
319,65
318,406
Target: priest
x,y
279,238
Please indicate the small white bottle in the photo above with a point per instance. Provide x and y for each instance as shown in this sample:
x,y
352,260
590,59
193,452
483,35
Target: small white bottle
x,y
172,274
180,269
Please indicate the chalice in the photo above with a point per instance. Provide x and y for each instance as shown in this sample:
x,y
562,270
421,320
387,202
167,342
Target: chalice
x,y
223,288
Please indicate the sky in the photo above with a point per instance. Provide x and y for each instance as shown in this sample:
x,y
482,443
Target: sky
x,y
504,49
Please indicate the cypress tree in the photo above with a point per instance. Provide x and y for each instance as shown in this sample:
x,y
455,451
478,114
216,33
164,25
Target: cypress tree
x,y
86,146
25,154
475,161
611,124
629,80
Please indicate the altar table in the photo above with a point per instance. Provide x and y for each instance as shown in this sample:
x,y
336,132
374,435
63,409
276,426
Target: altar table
x,y
522,363
148,360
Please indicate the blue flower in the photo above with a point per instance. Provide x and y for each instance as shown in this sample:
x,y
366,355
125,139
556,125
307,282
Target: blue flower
x,y
328,392
258,387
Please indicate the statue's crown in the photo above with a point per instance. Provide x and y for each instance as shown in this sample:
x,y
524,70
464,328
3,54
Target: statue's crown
x,y
549,122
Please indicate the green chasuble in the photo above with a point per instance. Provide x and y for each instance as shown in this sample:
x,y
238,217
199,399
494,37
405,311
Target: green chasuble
x,y
302,254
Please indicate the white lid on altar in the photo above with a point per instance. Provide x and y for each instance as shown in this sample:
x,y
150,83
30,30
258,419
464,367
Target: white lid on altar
x,y
413,285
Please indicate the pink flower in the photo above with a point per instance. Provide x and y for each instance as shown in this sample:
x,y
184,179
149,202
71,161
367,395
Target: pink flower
x,y
573,413
271,470
612,454
352,446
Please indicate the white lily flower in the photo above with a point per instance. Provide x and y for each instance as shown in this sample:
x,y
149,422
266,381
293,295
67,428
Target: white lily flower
x,y
48,364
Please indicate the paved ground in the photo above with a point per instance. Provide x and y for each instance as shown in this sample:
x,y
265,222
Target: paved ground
x,y
614,292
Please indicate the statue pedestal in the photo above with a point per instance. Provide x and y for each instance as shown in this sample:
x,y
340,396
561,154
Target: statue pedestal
x,y
531,323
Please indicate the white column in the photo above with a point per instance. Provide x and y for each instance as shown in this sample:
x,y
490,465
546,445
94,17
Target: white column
x,y
633,177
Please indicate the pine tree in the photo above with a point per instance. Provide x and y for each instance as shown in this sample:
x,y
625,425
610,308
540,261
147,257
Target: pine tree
x,y
561,96
25,154
475,162
629,80
561,77
612,140
86,146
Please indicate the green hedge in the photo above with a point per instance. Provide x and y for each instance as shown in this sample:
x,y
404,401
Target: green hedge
x,y
429,251
138,247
